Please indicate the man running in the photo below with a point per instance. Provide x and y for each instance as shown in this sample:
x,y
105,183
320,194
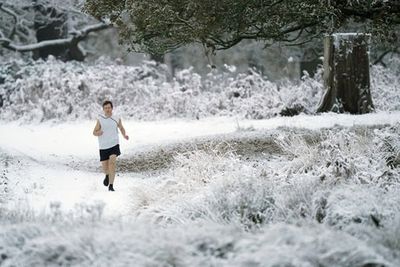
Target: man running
x,y
107,131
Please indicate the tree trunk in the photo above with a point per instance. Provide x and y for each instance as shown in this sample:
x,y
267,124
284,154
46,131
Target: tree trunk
x,y
158,58
346,74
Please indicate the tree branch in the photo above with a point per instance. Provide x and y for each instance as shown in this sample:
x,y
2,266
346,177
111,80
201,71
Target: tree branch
x,y
75,37
14,15
295,38
389,8
6,43
298,27
305,41
91,28
380,58
223,45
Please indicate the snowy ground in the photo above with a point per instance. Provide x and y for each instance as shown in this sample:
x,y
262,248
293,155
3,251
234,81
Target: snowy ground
x,y
297,191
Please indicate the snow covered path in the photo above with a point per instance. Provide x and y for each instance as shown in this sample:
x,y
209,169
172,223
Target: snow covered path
x,y
45,150
75,139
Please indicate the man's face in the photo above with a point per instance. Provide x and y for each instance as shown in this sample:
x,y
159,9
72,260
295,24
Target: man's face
x,y
107,109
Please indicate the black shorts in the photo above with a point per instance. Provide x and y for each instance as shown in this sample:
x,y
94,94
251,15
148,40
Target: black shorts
x,y
106,153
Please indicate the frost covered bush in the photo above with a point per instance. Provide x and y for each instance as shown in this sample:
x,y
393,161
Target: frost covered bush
x,y
337,178
116,243
327,198
385,85
55,90
388,142
63,91
333,153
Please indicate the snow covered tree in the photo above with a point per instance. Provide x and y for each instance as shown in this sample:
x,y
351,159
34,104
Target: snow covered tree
x,y
46,27
160,26
157,27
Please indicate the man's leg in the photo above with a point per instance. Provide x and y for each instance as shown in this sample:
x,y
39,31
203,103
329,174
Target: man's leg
x,y
104,164
111,168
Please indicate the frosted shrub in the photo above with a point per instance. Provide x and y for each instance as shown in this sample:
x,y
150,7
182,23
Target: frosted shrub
x,y
192,173
306,95
385,85
388,142
366,204
46,90
71,90
245,199
305,183
55,90
391,234
343,180
328,197
302,154
337,155
187,79
210,185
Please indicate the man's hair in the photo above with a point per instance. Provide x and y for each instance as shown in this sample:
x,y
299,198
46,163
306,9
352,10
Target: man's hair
x,y
107,102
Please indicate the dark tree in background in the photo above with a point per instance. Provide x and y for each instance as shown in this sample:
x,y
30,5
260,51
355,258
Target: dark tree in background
x,y
50,24
346,74
46,28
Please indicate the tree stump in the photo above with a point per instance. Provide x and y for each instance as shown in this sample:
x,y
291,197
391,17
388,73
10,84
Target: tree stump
x,y
346,74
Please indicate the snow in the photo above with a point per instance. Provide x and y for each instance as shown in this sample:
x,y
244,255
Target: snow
x,y
58,144
224,189
48,140
349,34
209,207
57,91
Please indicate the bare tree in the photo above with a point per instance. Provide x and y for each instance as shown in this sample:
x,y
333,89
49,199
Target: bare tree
x,y
46,28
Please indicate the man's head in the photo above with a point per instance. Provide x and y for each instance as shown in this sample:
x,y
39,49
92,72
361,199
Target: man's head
x,y
107,107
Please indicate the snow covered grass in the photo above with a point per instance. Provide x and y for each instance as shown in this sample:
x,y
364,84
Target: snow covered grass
x,y
53,90
338,158
385,84
342,182
329,197
106,243
318,190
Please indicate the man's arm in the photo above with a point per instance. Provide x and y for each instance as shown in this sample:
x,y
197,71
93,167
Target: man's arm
x,y
122,129
97,129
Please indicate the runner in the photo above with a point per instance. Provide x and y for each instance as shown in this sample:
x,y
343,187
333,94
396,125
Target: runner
x,y
107,131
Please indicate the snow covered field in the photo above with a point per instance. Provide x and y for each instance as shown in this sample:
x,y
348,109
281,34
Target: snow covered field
x,y
319,190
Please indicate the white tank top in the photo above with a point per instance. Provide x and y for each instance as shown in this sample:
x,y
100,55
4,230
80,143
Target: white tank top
x,y
109,126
